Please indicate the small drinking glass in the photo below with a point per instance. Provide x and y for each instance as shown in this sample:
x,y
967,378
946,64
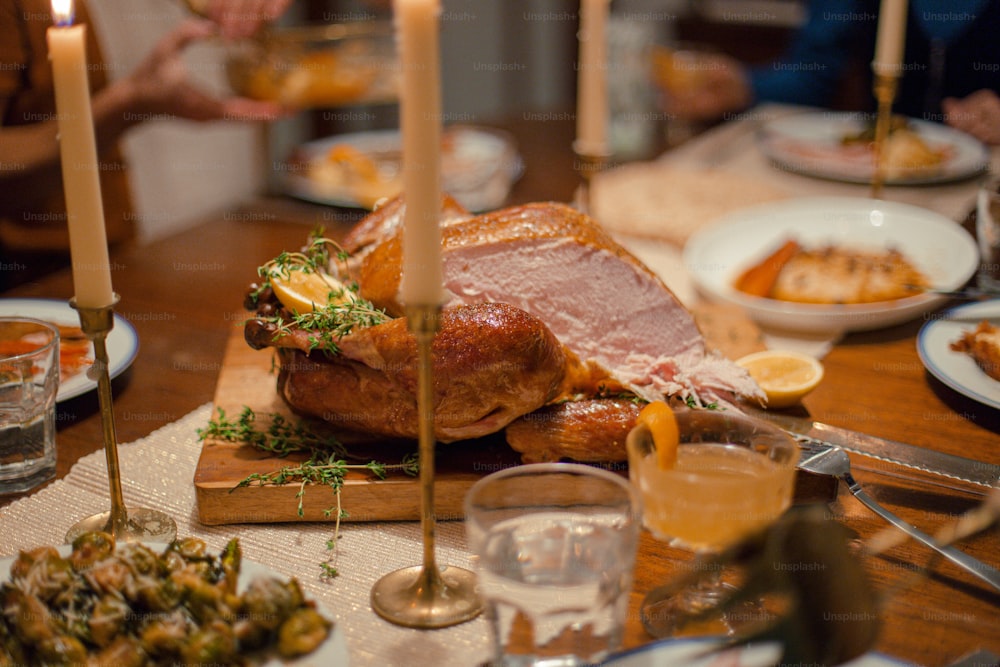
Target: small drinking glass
x,y
29,382
988,234
554,545
733,475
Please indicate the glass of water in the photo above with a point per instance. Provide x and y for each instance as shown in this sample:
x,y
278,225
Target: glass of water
x,y
29,381
554,545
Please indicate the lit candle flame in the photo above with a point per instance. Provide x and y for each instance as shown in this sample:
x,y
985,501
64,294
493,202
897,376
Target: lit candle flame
x,y
62,12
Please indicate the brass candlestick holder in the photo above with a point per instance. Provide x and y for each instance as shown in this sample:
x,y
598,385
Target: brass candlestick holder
x,y
885,93
423,596
588,164
139,524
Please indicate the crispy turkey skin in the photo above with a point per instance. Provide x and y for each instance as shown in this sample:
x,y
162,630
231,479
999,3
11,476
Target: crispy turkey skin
x,y
492,364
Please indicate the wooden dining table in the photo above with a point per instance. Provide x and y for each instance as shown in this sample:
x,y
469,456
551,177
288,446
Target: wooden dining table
x,y
183,294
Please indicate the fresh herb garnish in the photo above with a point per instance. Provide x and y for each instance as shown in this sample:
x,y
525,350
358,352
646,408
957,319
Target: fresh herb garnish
x,y
693,402
332,322
314,258
327,463
344,310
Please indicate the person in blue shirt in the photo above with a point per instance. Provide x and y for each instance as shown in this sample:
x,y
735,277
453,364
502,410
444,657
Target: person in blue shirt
x,y
950,68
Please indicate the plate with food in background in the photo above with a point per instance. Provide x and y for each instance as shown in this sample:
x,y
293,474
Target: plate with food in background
x,y
76,353
831,264
839,146
961,348
358,170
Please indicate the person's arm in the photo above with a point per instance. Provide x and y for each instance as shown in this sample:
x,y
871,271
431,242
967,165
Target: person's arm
x,y
159,88
978,114
808,73
30,157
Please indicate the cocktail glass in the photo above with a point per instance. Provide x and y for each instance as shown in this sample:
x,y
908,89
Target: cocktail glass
x,y
733,475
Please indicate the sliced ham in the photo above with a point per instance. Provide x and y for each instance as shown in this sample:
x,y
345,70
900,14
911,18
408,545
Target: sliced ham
x,y
598,300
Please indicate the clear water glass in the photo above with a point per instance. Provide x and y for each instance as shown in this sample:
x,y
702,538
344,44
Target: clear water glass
x,y
554,545
29,382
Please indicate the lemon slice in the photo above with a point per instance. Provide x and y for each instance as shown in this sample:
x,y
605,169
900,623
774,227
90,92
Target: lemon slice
x,y
662,424
786,377
305,292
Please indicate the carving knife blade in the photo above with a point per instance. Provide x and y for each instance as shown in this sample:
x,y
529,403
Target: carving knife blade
x,y
899,453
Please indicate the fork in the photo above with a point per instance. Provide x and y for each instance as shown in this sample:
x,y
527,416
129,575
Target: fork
x,y
825,459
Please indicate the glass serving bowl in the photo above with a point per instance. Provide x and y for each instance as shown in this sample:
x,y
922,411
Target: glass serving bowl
x,y
307,67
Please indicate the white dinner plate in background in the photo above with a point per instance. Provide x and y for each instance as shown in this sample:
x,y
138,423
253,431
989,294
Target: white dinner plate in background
x,y
478,167
122,342
939,247
957,369
810,144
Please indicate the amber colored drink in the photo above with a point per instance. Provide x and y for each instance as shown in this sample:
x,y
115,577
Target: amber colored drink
x,y
715,494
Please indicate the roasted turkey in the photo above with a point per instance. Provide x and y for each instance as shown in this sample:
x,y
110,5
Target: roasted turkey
x,y
492,364
550,326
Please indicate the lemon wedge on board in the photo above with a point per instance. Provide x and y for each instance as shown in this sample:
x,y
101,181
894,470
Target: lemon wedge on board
x,y
785,376
662,424
305,292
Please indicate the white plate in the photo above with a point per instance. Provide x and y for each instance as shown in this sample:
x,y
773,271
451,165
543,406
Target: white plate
x,y
686,652
332,652
938,246
957,369
478,167
810,144
122,342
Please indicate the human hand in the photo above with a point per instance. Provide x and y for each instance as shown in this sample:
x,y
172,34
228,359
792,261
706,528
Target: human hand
x,y
700,85
978,114
161,84
243,18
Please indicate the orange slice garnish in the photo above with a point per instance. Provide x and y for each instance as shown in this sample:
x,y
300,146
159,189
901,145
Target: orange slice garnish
x,y
662,424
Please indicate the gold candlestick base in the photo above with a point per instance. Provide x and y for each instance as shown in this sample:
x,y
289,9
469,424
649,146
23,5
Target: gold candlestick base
x,y
423,596
138,525
885,93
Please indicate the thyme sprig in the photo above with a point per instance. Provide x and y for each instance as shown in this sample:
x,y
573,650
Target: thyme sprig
x,y
327,464
281,436
344,310
327,325
315,257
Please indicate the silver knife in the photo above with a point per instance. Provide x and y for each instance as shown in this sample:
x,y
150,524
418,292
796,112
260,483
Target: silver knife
x,y
899,453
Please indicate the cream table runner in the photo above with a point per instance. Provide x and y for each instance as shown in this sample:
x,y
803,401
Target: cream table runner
x,y
157,472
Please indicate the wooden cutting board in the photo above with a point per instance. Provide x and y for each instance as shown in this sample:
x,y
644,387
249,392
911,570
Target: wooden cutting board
x,y
248,380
